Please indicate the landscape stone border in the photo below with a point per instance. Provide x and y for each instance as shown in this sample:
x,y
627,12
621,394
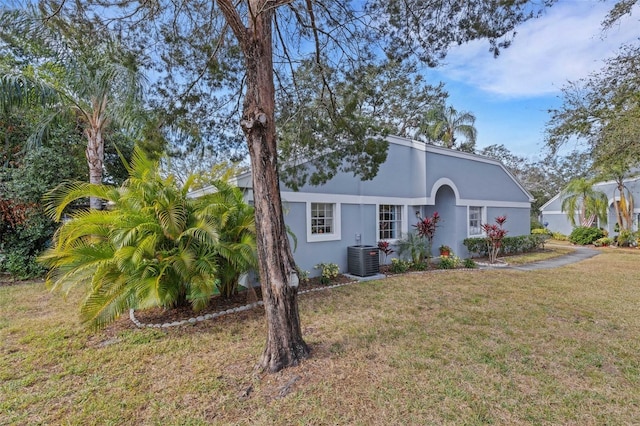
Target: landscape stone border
x,y
201,318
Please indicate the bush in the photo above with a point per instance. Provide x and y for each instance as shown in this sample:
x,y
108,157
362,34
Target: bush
x,y
559,237
583,235
626,238
22,242
510,245
399,266
476,246
450,262
603,242
541,231
469,264
330,272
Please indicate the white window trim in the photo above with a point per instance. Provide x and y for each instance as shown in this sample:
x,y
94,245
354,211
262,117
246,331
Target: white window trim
x,y
404,218
336,235
483,219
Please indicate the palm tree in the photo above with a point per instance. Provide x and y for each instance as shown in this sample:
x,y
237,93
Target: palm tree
x,y
445,123
622,196
154,246
94,80
236,248
590,204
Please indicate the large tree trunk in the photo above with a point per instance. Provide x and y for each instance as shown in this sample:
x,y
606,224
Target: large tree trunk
x,y
285,346
95,160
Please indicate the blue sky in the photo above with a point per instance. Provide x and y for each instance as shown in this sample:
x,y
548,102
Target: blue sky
x,y
510,95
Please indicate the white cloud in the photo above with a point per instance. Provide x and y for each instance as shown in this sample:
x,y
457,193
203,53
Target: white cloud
x,y
566,44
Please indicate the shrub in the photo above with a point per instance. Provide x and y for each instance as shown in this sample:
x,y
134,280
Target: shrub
x,y
450,262
398,266
626,238
477,246
469,263
385,248
495,234
510,245
559,236
420,266
603,242
413,246
330,272
303,275
155,246
541,231
583,235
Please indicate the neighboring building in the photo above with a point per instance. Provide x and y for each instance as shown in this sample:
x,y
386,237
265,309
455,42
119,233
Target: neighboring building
x,y
557,221
417,179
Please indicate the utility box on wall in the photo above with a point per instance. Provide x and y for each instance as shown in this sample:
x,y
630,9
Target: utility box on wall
x,y
363,261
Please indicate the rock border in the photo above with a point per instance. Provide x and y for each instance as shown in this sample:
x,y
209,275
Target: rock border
x,y
200,318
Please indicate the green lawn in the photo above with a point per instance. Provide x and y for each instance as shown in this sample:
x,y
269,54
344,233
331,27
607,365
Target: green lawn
x,y
457,347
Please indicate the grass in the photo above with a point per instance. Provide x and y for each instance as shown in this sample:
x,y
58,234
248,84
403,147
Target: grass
x,y
458,347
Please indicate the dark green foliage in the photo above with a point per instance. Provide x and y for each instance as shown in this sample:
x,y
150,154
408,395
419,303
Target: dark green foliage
x,y
25,230
469,263
583,235
510,245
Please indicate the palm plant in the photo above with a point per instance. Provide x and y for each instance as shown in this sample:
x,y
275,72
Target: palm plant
x,y
445,123
94,80
153,246
236,247
590,204
414,246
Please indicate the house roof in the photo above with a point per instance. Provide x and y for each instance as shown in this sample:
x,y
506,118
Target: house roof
x,y
244,180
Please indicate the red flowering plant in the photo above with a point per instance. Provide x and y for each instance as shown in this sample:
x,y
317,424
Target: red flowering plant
x,y
426,228
385,248
495,233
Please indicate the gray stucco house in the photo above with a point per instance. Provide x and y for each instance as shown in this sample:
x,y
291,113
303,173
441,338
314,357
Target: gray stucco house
x,y
557,221
417,179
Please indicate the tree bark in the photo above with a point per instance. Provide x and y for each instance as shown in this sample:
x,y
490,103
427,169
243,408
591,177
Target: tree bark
x,y
95,160
285,346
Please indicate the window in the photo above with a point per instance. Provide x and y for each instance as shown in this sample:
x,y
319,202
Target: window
x,y
322,218
323,222
475,220
390,221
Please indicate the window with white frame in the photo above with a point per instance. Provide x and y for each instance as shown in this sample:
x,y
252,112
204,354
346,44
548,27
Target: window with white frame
x,y
475,220
323,222
322,218
389,221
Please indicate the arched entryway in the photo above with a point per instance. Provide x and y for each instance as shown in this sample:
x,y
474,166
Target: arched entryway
x,y
445,205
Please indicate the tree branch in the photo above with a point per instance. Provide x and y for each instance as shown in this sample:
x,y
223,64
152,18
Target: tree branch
x,y
233,20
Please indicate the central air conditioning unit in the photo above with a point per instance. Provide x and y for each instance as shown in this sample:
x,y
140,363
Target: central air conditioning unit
x,y
363,261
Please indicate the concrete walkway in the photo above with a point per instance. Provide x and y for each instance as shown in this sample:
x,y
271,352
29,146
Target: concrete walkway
x,y
580,253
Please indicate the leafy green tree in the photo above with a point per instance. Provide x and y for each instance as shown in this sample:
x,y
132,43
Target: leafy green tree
x,y
445,123
268,39
362,106
93,79
154,246
603,111
579,196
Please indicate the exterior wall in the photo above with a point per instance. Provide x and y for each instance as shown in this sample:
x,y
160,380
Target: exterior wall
x,y
418,178
475,180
